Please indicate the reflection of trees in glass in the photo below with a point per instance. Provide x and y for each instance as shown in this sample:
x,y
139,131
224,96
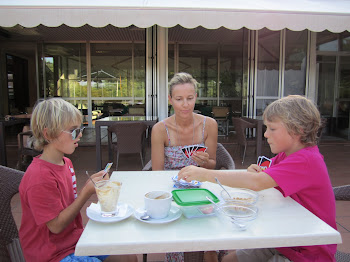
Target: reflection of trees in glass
x,y
344,88
230,84
50,85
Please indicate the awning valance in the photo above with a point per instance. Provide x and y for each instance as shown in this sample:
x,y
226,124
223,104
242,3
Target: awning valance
x,y
276,15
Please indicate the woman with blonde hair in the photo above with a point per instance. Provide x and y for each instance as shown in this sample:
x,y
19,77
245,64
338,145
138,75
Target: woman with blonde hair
x,y
183,128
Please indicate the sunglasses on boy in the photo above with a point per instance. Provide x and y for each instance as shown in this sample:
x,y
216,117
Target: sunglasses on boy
x,y
75,133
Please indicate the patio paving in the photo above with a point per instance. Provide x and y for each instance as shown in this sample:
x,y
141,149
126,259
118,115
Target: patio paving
x,y
336,154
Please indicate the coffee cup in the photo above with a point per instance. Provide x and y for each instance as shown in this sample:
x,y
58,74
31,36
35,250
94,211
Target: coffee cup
x,y
108,194
158,204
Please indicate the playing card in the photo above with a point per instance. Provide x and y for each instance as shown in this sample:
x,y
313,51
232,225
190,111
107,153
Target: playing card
x,y
201,149
108,166
265,162
259,160
189,149
184,150
194,149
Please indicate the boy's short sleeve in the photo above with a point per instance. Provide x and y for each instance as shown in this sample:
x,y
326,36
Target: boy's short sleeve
x,y
45,201
291,174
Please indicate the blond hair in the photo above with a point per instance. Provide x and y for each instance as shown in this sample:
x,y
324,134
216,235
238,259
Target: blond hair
x,y
180,79
298,114
54,114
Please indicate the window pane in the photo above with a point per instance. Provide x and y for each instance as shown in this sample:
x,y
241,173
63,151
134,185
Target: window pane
x,y
139,74
268,63
231,73
295,63
344,81
171,69
65,68
201,62
326,83
118,72
327,41
261,104
345,41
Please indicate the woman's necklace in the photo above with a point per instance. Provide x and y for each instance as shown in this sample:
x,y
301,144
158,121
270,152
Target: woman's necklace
x,y
177,134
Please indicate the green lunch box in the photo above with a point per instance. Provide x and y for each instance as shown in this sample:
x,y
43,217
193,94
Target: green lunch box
x,y
194,203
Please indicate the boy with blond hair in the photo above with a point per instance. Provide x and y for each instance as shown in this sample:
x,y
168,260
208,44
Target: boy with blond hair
x,y
51,222
298,170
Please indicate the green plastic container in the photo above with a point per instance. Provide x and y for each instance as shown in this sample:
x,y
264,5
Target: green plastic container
x,y
193,202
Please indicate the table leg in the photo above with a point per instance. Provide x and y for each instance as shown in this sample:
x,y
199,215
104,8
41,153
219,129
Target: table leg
x,y
227,125
98,147
2,145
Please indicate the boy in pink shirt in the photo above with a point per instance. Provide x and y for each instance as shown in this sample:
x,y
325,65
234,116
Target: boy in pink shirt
x,y
297,171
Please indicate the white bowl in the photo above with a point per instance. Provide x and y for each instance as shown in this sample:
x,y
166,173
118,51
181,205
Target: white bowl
x,y
241,216
240,196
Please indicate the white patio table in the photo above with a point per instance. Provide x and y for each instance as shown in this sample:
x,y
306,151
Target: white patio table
x,y
281,222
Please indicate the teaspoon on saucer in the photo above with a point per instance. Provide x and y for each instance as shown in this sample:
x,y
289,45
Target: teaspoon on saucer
x,y
145,216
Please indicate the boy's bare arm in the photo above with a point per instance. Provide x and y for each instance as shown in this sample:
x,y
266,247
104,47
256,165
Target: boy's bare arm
x,y
255,181
67,215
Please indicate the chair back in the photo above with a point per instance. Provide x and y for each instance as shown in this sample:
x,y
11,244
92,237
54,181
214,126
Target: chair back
x,y
24,149
342,193
240,126
10,249
223,160
220,111
320,130
136,111
130,136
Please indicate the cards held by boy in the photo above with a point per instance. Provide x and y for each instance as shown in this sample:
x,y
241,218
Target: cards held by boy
x,y
264,162
189,150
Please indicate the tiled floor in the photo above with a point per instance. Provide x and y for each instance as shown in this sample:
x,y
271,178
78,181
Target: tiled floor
x,y
336,153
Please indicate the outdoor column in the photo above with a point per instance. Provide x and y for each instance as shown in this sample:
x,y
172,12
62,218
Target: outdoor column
x,y
162,69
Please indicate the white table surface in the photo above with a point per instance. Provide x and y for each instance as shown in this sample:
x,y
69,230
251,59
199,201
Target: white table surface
x,y
281,222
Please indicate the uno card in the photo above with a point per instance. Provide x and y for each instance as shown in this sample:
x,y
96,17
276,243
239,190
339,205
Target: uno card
x,y
194,149
265,162
190,150
259,160
184,150
201,149
107,168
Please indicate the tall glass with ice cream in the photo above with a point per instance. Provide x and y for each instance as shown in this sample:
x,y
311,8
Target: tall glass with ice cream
x,y
107,192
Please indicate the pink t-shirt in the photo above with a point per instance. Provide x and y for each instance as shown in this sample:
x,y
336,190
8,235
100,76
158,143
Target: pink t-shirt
x,y
304,177
45,190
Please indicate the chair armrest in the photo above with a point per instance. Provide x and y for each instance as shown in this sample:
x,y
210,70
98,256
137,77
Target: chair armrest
x,y
342,192
247,124
27,133
21,135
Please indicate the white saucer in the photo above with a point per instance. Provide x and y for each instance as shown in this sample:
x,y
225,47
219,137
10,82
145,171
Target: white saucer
x,y
174,214
94,213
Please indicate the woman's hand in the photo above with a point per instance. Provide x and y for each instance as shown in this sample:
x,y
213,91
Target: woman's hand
x,y
254,168
190,173
201,158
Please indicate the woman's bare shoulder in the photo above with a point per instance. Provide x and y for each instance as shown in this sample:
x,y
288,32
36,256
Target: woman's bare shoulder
x,y
160,126
211,121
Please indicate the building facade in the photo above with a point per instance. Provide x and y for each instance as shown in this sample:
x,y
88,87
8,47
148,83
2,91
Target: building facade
x,y
111,69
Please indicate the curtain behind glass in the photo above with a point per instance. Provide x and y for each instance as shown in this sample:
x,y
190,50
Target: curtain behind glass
x,y
295,63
